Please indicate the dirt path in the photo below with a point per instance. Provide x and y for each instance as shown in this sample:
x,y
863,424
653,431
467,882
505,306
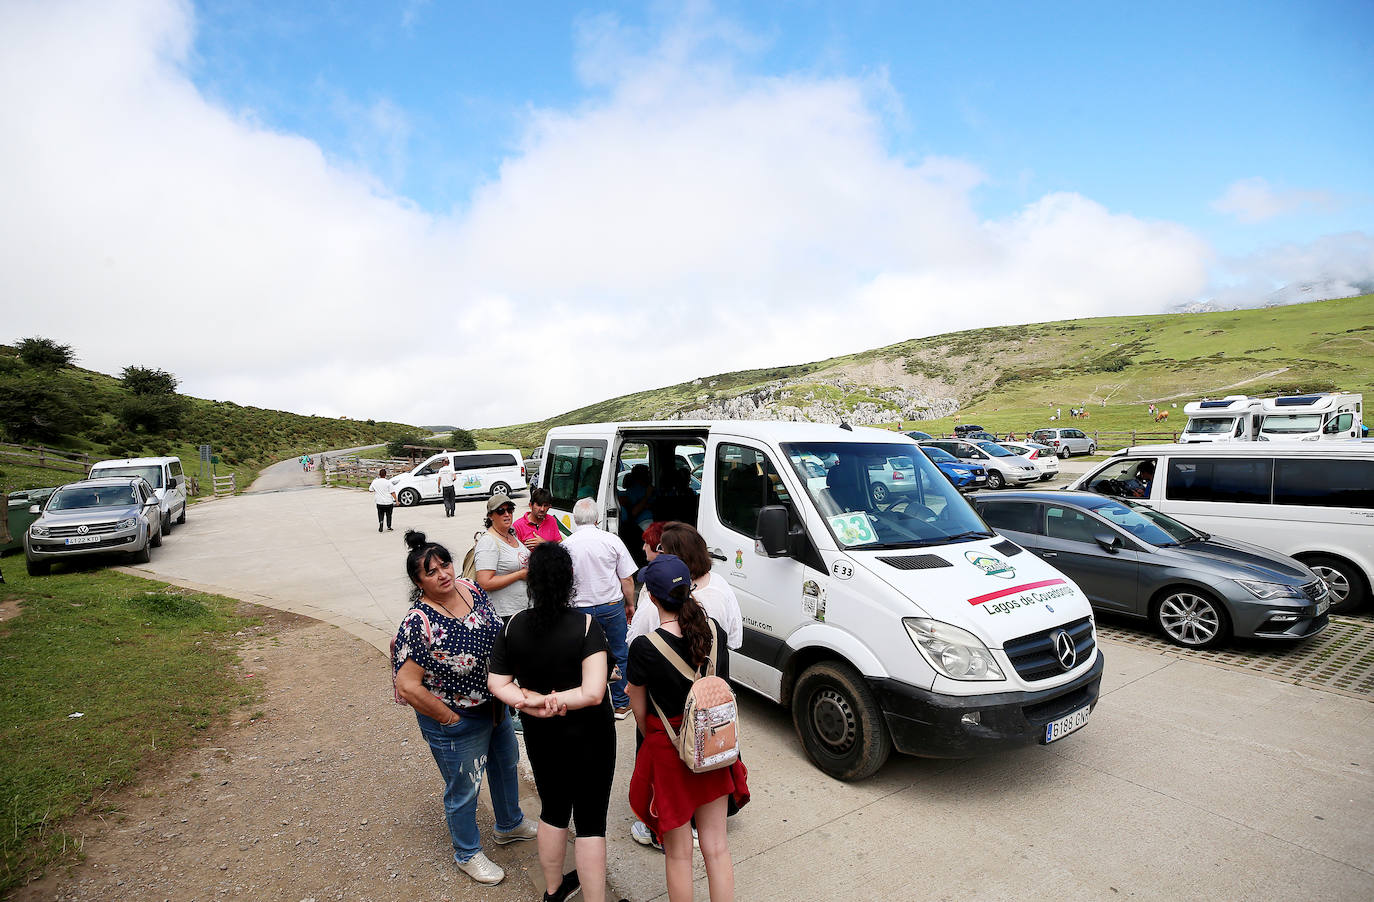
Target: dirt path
x,y
330,795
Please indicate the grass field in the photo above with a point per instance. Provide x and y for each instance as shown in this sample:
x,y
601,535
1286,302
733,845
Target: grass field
x,y
147,666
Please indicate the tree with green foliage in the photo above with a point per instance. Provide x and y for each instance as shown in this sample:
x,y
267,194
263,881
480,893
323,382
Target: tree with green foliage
x,y
44,353
155,405
396,447
39,407
461,440
142,380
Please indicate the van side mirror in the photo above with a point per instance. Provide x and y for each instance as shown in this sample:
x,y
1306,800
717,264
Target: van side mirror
x,y
772,531
33,509
172,482
1110,541
151,502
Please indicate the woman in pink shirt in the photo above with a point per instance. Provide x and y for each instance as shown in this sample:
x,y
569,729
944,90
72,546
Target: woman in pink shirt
x,y
536,526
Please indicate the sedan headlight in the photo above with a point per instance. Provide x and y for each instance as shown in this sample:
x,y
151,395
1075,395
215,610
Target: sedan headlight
x,y
37,531
127,524
953,652
1271,590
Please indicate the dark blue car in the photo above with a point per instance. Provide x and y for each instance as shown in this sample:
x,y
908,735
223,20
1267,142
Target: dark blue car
x,y
967,477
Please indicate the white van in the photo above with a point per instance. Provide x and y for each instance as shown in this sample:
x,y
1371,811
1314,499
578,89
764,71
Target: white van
x,y
1235,418
1310,501
883,619
163,474
496,472
1310,418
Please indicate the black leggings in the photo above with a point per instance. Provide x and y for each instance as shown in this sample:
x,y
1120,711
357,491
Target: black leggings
x,y
384,514
573,758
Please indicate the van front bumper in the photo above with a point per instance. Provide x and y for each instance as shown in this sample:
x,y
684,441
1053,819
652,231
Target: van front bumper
x,y
932,725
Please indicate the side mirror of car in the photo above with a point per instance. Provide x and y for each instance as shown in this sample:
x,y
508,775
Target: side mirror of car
x,y
172,483
151,502
1110,542
772,531
33,509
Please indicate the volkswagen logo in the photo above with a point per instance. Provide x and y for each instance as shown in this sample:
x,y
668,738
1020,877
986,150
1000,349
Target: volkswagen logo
x,y
82,530
1064,650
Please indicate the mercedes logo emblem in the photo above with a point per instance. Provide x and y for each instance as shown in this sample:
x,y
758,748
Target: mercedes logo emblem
x,y
1064,650
82,530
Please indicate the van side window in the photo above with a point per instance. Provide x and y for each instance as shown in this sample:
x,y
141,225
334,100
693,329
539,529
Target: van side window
x,y
576,471
1235,481
1325,483
176,468
1017,516
745,481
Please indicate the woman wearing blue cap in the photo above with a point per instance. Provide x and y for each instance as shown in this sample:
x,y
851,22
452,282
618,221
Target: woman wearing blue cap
x,y
664,793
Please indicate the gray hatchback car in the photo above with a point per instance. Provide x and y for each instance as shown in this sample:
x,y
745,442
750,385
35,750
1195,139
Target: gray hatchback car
x,y
1196,588
94,516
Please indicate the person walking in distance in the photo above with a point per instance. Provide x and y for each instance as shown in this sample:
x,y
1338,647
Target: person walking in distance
x,y
536,527
448,479
384,494
603,574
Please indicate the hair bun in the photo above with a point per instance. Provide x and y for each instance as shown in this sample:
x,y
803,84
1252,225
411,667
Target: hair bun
x,y
415,539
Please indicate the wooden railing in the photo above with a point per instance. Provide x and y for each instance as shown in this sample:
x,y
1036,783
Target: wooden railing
x,y
336,468
226,485
38,456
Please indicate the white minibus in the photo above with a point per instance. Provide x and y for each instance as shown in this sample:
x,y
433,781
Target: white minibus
x,y
882,619
1310,501
495,472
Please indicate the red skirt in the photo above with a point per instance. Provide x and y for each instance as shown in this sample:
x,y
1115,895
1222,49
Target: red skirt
x,y
664,794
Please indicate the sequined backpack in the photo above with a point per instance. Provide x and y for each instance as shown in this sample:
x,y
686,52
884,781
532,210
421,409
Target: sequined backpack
x,y
709,735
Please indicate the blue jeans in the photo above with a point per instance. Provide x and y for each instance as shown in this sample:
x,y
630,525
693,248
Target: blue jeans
x,y
612,620
463,751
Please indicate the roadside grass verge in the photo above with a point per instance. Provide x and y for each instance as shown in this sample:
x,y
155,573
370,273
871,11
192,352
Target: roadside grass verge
x,y
148,666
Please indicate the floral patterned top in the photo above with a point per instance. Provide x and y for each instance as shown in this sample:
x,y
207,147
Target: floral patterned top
x,y
454,654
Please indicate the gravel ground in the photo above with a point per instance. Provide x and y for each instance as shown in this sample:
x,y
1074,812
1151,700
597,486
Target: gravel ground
x,y
331,795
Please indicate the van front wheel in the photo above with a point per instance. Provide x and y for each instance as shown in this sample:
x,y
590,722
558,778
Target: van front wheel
x,y
839,722
500,488
408,497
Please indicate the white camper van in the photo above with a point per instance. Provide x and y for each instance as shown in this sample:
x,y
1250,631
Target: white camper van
x,y
1235,418
1309,418
881,619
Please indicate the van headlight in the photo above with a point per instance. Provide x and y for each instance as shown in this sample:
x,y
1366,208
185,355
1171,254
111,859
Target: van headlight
x,y
40,532
127,524
953,652
1271,590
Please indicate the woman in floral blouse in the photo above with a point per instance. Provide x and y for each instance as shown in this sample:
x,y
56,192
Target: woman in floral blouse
x,y
440,663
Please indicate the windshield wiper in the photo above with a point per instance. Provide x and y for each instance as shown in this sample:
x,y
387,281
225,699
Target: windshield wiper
x,y
970,534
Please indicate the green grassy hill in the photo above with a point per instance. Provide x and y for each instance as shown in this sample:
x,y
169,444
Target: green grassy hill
x,y
1014,377
245,439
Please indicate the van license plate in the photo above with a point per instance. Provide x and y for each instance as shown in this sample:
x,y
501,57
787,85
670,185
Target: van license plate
x,y
1062,727
82,540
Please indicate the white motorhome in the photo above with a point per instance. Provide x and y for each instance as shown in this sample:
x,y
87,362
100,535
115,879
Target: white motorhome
x,y
1309,418
1235,418
881,619
1310,501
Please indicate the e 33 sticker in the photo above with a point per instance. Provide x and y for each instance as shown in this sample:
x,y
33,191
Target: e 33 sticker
x,y
842,570
991,564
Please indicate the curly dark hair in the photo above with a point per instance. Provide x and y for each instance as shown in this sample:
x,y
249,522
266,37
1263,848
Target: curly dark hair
x,y
549,583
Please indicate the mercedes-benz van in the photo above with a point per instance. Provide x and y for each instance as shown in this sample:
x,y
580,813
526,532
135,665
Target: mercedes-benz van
x,y
882,619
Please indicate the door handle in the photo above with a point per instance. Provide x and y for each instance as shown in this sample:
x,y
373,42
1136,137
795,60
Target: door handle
x,y
716,553
1049,554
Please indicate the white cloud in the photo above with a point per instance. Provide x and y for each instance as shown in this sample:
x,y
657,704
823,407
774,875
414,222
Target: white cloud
x,y
1255,200
688,220
1331,267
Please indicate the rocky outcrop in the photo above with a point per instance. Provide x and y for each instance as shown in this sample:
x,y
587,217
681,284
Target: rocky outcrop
x,y
819,401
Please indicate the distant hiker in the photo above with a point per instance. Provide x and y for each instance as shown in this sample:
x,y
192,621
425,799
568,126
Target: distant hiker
x,y
384,494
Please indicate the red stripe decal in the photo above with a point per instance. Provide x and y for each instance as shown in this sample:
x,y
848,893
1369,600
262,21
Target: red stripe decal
x,y
1003,593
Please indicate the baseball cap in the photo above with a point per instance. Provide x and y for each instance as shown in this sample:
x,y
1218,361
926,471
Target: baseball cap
x,y
496,501
664,574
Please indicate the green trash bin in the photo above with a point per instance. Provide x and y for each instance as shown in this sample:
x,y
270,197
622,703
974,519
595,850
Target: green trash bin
x,y
20,518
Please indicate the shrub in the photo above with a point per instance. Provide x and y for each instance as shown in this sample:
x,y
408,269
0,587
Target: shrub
x,y
142,380
37,407
461,440
44,353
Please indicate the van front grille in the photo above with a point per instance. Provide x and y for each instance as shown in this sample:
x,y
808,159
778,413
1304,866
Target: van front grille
x,y
1034,657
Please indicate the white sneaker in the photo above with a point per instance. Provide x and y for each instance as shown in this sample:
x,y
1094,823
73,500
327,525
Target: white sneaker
x,y
641,834
528,829
482,869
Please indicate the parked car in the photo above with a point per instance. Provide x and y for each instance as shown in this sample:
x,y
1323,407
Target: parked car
x,y
890,476
495,472
94,516
162,473
1039,455
1065,442
1198,589
533,464
965,428
1310,500
918,435
1004,468
965,475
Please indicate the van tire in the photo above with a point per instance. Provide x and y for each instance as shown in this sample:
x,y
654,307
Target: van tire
x,y
839,722
156,541
1348,591
166,524
181,517
408,497
500,488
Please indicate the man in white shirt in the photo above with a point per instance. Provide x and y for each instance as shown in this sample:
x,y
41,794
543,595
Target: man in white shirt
x,y
384,493
603,583
448,478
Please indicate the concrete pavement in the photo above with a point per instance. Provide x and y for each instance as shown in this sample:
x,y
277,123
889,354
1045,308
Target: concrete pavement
x,y
1191,781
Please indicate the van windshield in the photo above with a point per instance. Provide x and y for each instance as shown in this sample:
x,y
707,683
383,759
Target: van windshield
x,y
1292,424
152,473
880,495
1210,425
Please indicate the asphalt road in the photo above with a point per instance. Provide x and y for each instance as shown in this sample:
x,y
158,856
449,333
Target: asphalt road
x,y
1191,781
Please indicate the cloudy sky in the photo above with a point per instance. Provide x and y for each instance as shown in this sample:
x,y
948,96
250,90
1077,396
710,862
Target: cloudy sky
x,y
479,214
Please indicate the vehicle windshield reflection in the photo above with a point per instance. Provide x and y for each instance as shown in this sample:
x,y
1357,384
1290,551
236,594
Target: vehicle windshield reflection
x,y
882,495
1146,524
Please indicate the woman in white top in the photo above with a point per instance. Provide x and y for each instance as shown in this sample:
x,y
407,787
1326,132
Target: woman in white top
x,y
501,560
712,593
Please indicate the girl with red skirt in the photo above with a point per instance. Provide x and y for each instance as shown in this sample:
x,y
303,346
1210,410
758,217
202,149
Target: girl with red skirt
x,y
663,792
